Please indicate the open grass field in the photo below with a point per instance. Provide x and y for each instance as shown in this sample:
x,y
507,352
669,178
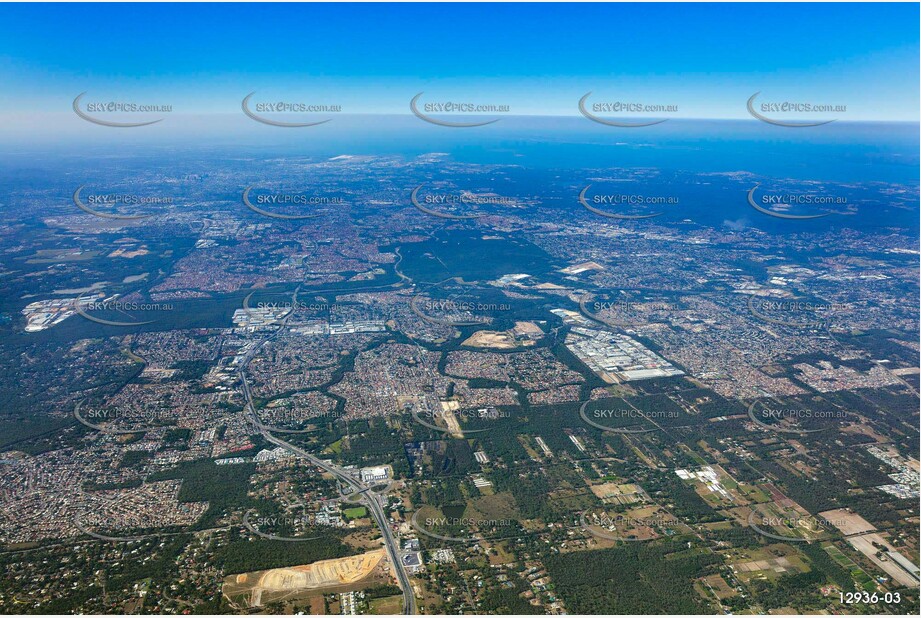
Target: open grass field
x,y
387,605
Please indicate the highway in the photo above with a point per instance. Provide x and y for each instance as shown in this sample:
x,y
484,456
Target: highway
x,y
369,499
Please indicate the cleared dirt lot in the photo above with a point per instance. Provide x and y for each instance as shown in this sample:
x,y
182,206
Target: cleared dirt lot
x,y
847,522
259,587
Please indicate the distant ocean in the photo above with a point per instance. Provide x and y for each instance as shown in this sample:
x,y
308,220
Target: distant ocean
x,y
838,152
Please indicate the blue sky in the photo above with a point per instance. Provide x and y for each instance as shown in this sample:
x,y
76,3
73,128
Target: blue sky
x,y
538,59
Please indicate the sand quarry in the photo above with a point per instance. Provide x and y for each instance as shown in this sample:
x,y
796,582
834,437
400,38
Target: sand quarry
x,y
276,584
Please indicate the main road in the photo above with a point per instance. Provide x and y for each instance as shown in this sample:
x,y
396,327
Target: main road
x,y
368,498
